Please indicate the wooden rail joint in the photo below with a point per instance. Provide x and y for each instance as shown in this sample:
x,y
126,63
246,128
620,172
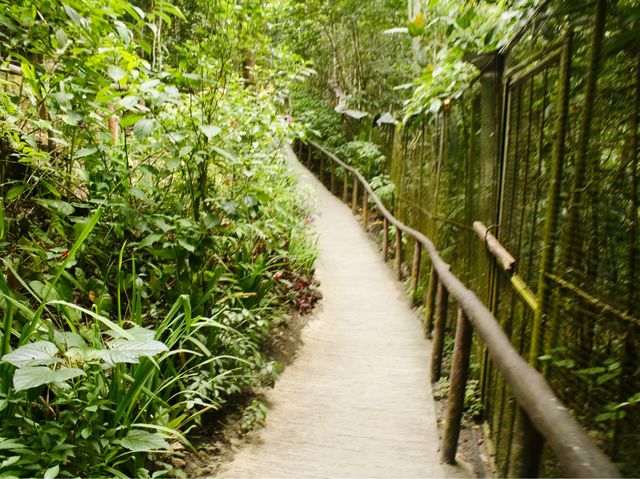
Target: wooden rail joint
x,y
507,261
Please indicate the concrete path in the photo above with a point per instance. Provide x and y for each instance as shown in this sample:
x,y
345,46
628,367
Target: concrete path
x,y
356,402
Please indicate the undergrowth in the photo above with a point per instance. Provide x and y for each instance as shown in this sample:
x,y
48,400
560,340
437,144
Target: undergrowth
x,y
151,235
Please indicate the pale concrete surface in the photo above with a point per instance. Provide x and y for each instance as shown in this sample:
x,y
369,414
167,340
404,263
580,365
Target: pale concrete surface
x,y
356,402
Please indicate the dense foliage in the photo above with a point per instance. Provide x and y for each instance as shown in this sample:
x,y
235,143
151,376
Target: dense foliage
x,y
151,235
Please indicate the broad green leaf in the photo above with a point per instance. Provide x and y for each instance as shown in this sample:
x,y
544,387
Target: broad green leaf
x,y
73,15
70,340
129,102
227,154
173,163
162,224
150,85
130,351
116,73
138,193
38,353
9,461
230,207
82,152
61,38
186,245
211,221
15,191
210,131
33,376
174,10
130,119
143,128
150,240
141,334
52,472
61,207
249,201
8,444
141,441
27,70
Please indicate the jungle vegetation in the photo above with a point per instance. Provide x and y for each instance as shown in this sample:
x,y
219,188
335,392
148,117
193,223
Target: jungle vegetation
x,y
152,237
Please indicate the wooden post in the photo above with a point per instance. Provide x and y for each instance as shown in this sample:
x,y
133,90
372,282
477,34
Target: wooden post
x,y
385,238
457,386
354,196
526,445
299,150
333,177
322,168
345,186
442,299
398,256
430,302
415,266
309,157
365,210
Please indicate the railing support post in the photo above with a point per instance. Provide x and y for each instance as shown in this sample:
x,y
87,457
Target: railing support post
x,y
300,150
321,168
354,196
345,186
333,177
457,386
430,302
365,210
398,256
442,299
309,157
385,239
526,447
415,266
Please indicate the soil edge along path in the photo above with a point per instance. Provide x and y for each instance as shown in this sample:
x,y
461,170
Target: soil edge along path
x,y
357,401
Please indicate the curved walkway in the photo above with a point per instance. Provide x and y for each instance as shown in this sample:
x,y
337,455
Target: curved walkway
x,y
357,400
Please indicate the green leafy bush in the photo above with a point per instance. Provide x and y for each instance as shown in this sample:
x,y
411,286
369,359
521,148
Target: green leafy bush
x,y
147,219
364,156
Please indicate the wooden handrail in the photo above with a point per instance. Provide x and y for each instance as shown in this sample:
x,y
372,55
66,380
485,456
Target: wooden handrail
x,y
576,452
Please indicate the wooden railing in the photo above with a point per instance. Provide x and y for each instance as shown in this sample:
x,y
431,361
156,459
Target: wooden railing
x,y
577,454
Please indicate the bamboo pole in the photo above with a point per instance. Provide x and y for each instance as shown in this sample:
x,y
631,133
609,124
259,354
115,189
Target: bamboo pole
x,y
570,256
457,386
553,201
442,300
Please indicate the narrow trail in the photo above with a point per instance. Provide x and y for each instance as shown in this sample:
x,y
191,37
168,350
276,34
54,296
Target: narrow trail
x,y
357,400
